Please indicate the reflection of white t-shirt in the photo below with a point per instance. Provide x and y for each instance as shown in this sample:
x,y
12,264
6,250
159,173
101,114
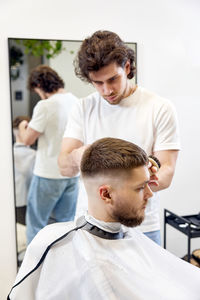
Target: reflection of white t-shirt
x,y
83,266
24,159
50,117
142,118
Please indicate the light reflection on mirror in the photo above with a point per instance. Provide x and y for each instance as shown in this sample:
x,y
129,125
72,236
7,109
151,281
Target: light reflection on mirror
x,y
24,55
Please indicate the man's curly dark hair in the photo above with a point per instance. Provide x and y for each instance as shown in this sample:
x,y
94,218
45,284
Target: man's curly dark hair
x,y
99,50
45,78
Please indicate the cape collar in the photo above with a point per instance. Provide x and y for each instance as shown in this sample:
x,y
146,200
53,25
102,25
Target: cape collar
x,y
98,230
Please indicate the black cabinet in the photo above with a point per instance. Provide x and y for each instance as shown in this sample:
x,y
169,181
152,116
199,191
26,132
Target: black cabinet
x,y
188,225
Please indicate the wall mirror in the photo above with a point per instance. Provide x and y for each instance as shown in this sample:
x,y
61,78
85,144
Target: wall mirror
x,y
24,55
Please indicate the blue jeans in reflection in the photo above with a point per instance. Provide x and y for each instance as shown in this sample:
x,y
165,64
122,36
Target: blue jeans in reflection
x,y
56,198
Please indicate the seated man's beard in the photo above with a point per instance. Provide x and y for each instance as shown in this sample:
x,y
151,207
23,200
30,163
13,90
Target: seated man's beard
x,y
127,220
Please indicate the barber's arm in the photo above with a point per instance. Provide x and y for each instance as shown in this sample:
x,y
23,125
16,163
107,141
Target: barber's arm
x,y
70,156
165,174
27,134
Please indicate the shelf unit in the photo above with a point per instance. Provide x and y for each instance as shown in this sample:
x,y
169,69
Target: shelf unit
x,y
184,225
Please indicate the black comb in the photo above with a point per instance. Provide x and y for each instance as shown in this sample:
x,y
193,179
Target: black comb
x,y
156,160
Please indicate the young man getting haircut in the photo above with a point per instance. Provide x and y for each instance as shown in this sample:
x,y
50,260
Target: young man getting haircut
x,y
104,256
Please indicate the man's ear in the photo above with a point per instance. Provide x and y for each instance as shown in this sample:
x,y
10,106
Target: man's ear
x,y
104,193
127,67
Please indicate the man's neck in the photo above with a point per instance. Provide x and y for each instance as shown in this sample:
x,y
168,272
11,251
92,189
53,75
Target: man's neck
x,y
130,89
108,226
59,91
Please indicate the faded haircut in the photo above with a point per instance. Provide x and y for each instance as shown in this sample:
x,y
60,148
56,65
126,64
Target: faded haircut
x,y
108,155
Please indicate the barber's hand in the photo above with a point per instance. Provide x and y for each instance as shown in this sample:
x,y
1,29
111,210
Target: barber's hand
x,y
22,129
23,125
153,176
78,153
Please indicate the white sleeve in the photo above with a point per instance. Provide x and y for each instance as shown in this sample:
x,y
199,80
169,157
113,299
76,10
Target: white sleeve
x,y
39,118
75,127
167,135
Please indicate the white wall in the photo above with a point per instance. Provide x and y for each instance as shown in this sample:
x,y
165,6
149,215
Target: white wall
x,y
167,33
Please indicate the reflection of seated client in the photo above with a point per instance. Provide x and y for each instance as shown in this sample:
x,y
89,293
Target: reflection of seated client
x,y
24,158
100,258
50,194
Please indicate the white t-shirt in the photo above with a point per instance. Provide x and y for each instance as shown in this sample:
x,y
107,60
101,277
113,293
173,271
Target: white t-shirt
x,y
50,117
24,159
86,267
142,118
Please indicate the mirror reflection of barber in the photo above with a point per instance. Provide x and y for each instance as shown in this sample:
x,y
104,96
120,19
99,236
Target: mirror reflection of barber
x,y
50,193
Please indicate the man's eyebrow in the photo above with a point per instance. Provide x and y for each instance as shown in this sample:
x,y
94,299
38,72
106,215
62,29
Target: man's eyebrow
x,y
142,183
114,76
98,81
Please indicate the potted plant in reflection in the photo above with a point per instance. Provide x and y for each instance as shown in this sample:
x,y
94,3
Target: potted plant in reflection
x,y
16,60
45,48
